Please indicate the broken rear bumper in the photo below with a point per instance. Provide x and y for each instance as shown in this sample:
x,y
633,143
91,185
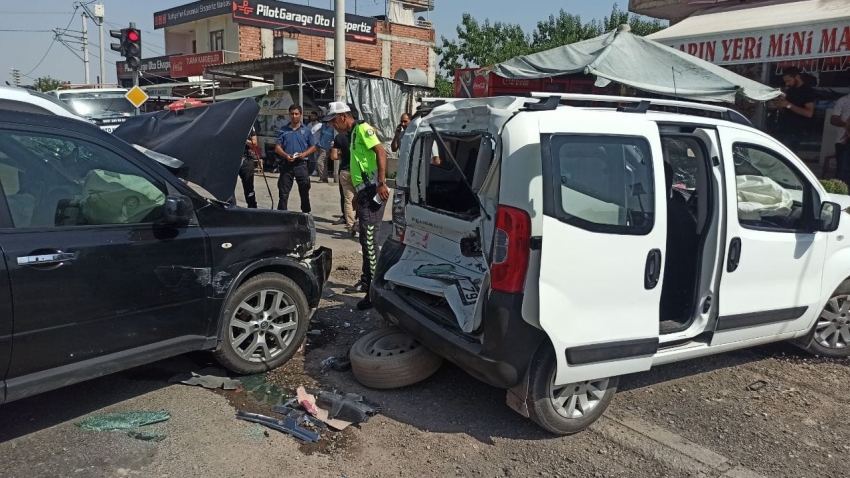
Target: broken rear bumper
x,y
499,357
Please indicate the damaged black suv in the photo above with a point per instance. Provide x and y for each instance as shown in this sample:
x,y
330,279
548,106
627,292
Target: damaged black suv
x,y
110,261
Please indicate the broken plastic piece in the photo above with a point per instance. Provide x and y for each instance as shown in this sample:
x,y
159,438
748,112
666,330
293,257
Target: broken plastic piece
x,y
290,412
351,407
146,436
210,377
290,426
123,421
307,401
339,364
320,413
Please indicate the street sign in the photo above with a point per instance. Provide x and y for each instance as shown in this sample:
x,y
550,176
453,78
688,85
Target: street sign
x,y
136,96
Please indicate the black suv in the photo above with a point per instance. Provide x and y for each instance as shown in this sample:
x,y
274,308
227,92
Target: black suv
x,y
110,261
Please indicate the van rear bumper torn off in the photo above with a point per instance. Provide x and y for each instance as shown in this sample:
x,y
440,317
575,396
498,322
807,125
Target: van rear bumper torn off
x,y
499,356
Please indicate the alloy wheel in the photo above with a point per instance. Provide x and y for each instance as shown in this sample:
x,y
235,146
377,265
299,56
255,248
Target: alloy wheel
x,y
833,327
263,325
576,400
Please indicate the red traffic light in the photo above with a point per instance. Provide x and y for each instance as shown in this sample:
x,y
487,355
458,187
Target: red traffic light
x,y
133,35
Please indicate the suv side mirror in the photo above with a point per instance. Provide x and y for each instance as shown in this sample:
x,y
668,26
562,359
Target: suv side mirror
x,y
830,215
177,211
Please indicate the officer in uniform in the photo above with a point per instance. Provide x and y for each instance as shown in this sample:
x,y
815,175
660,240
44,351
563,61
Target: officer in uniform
x,y
368,176
295,144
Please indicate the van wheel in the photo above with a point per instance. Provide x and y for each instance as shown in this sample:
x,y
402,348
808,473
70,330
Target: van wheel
x,y
565,409
830,337
263,323
389,358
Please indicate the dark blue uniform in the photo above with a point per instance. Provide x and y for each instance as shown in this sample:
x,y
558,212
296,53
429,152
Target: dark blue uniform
x,y
294,141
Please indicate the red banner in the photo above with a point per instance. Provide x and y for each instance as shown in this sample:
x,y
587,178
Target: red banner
x,y
194,65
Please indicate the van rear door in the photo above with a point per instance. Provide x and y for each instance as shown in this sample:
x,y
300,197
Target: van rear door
x,y
603,244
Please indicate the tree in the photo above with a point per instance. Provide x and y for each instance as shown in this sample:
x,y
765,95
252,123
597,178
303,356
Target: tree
x,y
485,44
46,83
445,88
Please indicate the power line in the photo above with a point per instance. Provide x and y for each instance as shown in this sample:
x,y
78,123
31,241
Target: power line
x,y
7,12
27,31
73,15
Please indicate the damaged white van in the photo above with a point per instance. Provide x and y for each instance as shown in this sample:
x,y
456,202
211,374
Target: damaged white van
x,y
548,249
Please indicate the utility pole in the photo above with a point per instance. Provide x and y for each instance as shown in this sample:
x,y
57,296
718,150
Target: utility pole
x,y
16,76
339,51
99,13
86,46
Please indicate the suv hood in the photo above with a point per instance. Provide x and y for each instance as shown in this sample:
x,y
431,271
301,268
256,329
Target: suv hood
x,y
208,140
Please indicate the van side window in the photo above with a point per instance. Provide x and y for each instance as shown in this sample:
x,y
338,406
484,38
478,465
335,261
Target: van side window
x,y
606,183
771,195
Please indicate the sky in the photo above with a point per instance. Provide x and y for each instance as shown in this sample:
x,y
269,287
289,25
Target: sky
x,y
31,49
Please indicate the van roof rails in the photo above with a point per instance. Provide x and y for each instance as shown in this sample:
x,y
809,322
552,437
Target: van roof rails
x,y
550,103
727,114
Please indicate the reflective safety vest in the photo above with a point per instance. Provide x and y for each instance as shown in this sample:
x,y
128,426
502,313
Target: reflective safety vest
x,y
364,161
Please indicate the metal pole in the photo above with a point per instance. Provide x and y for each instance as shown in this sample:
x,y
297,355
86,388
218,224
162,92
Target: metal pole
x,y
301,85
102,54
213,87
135,76
86,46
339,51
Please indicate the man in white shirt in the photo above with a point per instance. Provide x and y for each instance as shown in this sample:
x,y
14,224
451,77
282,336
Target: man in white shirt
x,y
841,117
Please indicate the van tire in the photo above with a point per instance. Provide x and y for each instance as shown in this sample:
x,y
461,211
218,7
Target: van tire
x,y
389,358
813,346
227,355
541,407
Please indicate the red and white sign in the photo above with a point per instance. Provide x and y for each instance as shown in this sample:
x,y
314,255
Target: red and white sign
x,y
803,42
194,65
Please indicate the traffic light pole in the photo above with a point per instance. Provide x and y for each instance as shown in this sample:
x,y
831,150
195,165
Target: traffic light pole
x,y
135,72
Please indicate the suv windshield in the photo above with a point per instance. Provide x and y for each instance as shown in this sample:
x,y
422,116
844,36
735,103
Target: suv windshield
x,y
99,105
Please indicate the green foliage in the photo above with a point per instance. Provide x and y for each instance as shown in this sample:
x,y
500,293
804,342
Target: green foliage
x,y
834,186
445,88
46,83
485,44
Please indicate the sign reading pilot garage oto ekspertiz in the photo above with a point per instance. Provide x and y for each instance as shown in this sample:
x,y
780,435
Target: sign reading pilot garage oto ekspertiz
x,y
306,20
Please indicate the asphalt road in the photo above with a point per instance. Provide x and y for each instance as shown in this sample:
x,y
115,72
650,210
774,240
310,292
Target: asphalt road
x,y
771,411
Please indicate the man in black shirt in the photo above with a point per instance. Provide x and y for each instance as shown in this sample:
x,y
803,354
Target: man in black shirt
x,y
341,151
246,171
797,109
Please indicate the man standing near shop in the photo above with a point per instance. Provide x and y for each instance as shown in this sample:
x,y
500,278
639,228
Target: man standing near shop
x,y
841,118
368,176
295,144
324,135
341,151
246,171
797,108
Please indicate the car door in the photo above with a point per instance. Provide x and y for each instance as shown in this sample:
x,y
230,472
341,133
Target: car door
x,y
604,236
6,323
771,282
92,273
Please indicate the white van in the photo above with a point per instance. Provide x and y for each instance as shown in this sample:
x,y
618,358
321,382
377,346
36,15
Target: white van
x,y
549,249
106,107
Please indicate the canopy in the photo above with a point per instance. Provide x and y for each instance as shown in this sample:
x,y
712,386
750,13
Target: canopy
x,y
640,63
246,93
745,33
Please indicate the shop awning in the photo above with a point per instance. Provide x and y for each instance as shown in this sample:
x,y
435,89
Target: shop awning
x,y
634,61
246,93
769,32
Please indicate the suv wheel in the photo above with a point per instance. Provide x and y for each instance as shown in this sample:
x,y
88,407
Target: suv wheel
x,y
565,409
263,324
830,337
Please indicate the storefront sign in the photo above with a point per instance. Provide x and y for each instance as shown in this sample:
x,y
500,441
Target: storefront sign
x,y
160,65
826,40
194,65
191,12
307,20
153,92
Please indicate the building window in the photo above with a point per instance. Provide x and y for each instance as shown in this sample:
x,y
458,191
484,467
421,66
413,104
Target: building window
x,y
194,46
217,40
285,46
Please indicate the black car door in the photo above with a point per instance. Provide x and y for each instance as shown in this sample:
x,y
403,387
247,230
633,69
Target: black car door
x,y
6,321
92,274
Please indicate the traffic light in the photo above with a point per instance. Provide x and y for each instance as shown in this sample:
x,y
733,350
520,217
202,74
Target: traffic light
x,y
130,47
133,48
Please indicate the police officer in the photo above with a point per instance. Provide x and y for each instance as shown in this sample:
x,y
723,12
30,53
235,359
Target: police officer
x,y
295,144
368,176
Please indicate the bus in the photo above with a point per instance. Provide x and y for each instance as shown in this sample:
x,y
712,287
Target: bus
x,y
107,107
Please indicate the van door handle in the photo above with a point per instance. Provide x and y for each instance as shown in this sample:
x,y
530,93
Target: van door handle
x,y
653,269
734,254
45,259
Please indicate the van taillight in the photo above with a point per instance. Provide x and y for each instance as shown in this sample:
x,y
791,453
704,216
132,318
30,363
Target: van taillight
x,y
399,222
511,248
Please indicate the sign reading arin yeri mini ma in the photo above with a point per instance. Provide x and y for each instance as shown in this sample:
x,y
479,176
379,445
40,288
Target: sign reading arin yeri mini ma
x,y
827,40
194,65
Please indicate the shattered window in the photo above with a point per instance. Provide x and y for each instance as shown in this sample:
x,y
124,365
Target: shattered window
x,y
52,181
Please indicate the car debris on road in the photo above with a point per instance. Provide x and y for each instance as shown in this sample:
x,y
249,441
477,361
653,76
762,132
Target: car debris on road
x,y
210,377
123,421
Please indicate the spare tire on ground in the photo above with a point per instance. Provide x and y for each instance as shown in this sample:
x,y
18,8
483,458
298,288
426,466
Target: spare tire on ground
x,y
389,358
